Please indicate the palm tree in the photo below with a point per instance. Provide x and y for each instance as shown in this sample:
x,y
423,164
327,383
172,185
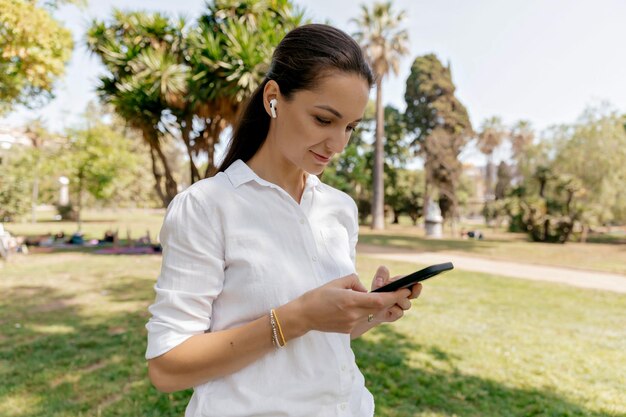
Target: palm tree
x,y
384,44
187,81
490,137
143,54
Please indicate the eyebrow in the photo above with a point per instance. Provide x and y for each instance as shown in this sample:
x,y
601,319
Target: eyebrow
x,y
333,111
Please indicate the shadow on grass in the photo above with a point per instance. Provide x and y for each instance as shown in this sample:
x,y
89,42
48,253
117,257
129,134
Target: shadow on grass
x,y
64,361
55,360
431,245
402,390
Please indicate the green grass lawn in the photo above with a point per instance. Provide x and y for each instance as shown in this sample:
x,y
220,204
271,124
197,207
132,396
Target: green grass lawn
x,y
606,257
609,255
72,342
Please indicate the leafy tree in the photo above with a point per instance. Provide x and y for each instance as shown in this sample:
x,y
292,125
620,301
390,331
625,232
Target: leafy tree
x,y
94,157
352,172
593,152
551,215
495,209
187,81
15,186
572,180
440,127
34,48
384,44
145,75
406,195
504,178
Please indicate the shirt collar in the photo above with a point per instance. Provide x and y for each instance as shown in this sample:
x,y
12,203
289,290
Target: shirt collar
x,y
240,173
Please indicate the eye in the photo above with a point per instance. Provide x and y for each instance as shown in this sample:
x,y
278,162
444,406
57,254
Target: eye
x,y
322,121
350,128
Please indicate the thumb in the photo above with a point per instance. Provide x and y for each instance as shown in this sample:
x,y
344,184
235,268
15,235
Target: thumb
x,y
381,277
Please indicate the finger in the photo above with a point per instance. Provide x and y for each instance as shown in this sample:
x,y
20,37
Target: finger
x,y
394,313
416,291
404,304
374,302
381,277
402,294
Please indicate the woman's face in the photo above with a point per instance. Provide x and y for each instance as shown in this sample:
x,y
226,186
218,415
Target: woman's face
x,y
314,125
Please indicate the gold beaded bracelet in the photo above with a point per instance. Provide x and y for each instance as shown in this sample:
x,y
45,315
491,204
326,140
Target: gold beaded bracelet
x,y
276,330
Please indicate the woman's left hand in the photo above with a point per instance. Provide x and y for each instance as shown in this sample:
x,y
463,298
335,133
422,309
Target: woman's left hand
x,y
396,311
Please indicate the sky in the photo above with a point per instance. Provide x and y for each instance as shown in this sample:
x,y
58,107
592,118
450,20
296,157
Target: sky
x,y
543,61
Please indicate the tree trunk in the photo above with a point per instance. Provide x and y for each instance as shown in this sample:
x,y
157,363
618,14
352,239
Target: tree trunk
x,y
158,177
185,130
584,234
79,205
378,203
170,190
211,136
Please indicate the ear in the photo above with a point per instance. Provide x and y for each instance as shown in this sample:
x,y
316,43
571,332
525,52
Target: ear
x,y
271,91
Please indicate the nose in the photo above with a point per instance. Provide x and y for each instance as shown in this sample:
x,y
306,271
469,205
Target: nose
x,y
337,141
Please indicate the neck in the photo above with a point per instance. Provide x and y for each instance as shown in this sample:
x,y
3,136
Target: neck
x,y
277,170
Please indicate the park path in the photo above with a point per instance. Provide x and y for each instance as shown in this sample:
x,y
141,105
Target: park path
x,y
574,277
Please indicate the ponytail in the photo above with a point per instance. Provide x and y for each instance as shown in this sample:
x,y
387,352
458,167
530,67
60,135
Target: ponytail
x,y
250,130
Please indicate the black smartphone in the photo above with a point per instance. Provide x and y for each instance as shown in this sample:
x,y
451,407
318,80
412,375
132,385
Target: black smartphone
x,y
416,277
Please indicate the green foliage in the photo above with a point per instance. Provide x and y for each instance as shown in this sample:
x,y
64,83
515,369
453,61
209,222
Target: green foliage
x,y
572,180
34,48
15,187
352,171
187,81
440,126
550,215
231,47
593,152
405,194
381,38
96,159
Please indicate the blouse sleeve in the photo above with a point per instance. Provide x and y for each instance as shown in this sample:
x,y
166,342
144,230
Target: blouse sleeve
x,y
354,234
192,275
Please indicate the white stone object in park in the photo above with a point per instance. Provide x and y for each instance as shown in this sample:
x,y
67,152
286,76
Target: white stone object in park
x,y
433,220
64,194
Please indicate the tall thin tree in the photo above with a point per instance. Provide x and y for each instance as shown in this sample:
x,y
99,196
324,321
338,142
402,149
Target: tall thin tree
x,y
384,43
491,135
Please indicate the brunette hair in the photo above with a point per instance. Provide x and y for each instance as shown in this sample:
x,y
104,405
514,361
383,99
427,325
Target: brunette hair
x,y
303,56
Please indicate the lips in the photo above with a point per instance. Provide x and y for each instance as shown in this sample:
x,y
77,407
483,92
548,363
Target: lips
x,y
320,157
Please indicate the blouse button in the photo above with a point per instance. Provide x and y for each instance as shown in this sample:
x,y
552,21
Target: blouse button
x,y
314,258
301,221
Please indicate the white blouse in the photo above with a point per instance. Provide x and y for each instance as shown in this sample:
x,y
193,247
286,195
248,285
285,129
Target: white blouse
x,y
235,246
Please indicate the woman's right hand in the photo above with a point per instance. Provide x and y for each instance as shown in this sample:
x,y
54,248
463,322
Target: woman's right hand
x,y
341,304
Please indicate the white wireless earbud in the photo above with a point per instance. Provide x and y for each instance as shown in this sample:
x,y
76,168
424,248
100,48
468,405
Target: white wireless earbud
x,y
273,107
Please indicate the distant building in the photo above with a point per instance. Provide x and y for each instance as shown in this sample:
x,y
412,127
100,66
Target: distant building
x,y
10,139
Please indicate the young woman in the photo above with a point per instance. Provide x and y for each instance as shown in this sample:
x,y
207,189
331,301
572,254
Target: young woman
x,y
258,296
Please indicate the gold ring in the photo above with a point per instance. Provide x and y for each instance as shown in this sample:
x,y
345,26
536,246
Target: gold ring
x,y
370,318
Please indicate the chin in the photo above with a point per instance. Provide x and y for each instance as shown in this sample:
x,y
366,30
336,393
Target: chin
x,y
316,170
